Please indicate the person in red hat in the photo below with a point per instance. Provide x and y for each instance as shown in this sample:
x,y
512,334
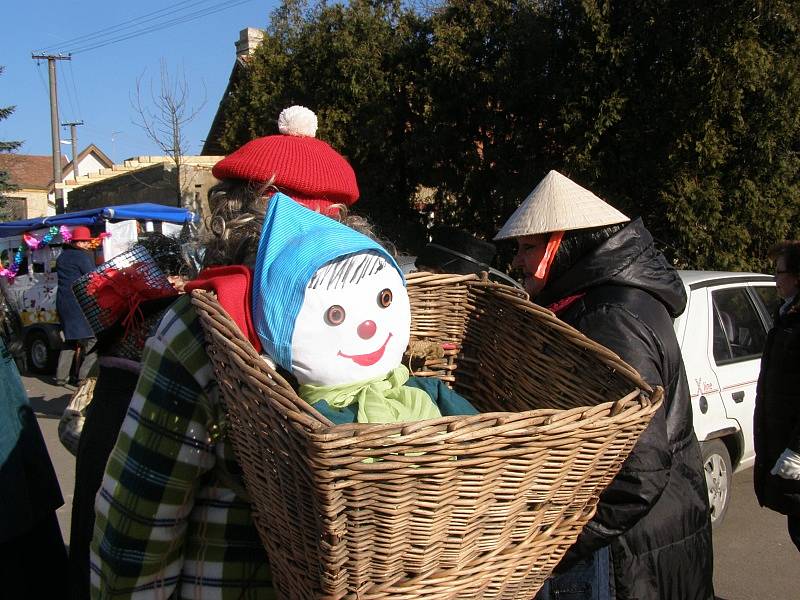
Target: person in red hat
x,y
75,260
172,516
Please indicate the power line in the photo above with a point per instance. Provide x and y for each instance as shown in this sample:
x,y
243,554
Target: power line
x,y
130,23
75,90
41,77
139,25
69,94
177,21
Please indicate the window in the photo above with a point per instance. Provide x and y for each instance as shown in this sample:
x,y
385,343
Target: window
x,y
769,296
738,331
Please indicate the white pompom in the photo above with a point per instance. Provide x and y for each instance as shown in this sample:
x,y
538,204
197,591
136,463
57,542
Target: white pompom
x,y
297,120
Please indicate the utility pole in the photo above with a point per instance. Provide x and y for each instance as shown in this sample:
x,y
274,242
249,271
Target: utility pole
x,y
74,137
51,67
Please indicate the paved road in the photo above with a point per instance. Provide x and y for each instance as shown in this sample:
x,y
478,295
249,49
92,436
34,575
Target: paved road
x,y
49,402
754,558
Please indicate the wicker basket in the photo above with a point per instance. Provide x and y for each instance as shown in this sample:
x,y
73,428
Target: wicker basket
x,y
481,506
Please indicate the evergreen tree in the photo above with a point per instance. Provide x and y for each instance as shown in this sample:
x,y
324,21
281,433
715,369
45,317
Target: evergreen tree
x,y
688,114
5,184
684,113
354,66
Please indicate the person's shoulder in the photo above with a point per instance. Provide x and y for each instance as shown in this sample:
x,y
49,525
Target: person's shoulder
x,y
630,304
624,297
179,317
179,338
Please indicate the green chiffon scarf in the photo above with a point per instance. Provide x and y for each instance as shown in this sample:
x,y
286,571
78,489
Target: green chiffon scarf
x,y
381,400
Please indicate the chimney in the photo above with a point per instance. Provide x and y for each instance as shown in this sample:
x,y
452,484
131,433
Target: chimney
x,y
248,41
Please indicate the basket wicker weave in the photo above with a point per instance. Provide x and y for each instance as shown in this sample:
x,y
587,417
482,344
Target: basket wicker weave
x,y
480,506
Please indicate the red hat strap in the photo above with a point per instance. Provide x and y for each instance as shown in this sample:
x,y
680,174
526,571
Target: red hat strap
x,y
543,270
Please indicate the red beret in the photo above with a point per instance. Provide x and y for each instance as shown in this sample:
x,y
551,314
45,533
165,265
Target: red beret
x,y
303,167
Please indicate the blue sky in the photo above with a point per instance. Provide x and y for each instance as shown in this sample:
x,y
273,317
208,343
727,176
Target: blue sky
x,y
96,85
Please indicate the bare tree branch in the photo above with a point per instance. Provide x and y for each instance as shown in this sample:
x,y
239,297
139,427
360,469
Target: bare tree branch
x,y
164,117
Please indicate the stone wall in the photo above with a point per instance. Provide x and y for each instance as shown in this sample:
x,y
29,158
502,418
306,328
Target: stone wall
x,y
156,184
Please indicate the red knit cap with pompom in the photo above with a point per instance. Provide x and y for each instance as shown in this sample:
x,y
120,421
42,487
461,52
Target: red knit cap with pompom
x,y
306,169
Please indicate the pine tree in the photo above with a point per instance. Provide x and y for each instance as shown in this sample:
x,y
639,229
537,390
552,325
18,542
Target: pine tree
x,y
5,184
684,113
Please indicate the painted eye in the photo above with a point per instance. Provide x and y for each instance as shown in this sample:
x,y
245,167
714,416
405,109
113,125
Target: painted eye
x,y
385,297
335,315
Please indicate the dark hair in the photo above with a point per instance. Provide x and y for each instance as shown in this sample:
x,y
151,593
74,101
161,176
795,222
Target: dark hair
x,y
576,244
166,252
790,251
238,209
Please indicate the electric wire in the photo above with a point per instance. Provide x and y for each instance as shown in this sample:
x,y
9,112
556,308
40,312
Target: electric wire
x,y
178,21
75,90
149,23
130,23
41,77
66,88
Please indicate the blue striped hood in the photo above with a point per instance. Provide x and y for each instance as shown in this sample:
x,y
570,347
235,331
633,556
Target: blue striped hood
x,y
295,242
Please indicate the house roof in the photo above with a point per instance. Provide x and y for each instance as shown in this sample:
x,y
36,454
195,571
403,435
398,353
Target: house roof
x,y
90,149
212,145
29,170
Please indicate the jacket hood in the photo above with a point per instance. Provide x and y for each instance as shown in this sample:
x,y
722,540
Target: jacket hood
x,y
627,258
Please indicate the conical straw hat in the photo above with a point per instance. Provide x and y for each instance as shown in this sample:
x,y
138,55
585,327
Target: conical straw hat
x,y
559,204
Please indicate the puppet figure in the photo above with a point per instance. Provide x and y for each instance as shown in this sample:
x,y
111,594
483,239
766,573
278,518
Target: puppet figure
x,y
330,306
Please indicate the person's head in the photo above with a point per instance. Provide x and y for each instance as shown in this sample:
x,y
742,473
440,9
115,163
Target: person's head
x,y
557,224
293,162
786,255
329,303
82,238
455,251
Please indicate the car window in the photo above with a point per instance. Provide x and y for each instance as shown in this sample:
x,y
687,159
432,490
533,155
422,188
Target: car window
x,y
738,331
769,296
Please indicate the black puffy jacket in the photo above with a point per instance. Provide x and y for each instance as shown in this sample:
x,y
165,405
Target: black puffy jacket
x,y
655,514
777,414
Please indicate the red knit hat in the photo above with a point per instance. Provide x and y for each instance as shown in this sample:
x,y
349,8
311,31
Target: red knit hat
x,y
303,167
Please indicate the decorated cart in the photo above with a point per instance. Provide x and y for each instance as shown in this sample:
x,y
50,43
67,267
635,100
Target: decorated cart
x,y
29,248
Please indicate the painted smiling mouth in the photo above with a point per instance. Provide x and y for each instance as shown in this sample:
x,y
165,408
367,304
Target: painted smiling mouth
x,y
366,360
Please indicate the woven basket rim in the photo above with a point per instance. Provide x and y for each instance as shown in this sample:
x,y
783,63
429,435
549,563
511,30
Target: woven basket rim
x,y
311,420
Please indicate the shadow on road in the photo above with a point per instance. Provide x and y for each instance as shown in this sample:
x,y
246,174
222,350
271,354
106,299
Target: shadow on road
x,y
47,400
50,408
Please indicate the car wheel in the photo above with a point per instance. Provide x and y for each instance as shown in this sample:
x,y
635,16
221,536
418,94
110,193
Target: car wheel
x,y
718,470
41,358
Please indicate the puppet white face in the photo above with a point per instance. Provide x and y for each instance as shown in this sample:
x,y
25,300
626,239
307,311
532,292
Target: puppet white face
x,y
354,332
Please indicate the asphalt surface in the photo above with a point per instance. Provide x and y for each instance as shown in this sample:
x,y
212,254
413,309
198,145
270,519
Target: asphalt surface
x,y
754,559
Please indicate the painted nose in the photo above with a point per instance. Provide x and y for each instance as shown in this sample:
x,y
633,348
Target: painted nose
x,y
367,329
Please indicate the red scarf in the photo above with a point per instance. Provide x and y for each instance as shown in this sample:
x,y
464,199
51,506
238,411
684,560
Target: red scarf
x,y
563,304
234,286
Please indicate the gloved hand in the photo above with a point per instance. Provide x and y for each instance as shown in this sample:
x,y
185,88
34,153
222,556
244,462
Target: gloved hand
x,y
788,465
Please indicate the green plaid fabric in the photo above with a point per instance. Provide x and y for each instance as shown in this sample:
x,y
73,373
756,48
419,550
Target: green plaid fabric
x,y
172,519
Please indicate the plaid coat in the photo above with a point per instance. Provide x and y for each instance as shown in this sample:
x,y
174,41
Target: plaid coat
x,y
172,516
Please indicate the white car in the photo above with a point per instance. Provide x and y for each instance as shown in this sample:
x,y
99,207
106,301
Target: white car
x,y
722,334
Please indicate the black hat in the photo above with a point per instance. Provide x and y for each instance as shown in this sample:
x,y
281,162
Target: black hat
x,y
455,251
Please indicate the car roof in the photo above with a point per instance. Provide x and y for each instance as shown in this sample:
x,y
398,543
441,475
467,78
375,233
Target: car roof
x,y
701,278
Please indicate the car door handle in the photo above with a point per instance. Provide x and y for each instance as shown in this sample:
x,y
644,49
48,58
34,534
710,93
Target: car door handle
x,y
738,396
